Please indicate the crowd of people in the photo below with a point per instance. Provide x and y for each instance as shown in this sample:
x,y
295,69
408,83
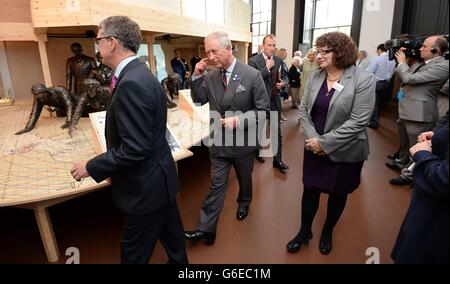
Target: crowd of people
x,y
336,95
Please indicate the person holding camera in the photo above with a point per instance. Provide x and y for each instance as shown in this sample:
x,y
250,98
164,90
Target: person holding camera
x,y
418,109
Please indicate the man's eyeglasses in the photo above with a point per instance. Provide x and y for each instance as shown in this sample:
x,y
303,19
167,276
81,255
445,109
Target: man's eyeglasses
x,y
98,39
325,51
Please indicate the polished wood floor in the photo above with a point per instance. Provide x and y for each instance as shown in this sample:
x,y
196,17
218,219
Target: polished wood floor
x,y
371,219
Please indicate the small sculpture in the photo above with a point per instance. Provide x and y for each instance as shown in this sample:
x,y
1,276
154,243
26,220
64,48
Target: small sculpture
x,y
101,73
78,68
56,99
95,97
170,86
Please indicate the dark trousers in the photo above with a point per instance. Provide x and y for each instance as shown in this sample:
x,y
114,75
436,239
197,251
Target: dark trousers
x,y
141,232
220,170
381,90
275,105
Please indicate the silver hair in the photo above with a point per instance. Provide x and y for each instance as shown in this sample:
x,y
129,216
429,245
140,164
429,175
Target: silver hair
x,y
222,38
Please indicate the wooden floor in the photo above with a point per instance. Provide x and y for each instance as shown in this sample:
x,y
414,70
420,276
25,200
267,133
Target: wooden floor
x,y
371,219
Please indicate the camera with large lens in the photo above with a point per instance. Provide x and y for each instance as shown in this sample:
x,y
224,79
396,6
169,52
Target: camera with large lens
x,y
412,46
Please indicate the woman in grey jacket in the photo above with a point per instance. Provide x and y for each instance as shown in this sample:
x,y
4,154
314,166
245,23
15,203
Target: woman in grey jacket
x,y
335,111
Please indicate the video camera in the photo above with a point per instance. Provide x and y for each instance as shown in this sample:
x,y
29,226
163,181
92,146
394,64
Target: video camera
x,y
412,45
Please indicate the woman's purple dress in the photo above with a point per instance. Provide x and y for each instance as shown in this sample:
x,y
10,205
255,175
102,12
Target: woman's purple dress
x,y
319,172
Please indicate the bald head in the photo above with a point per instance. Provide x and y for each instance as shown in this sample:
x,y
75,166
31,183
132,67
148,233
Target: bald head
x,y
433,47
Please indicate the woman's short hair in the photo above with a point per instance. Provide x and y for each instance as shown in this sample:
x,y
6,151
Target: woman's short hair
x,y
344,48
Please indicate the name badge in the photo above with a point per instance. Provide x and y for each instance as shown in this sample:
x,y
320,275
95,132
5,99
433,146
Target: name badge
x,y
338,87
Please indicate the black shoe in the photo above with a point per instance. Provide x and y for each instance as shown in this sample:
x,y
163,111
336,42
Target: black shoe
x,y
400,181
325,245
394,156
393,165
260,159
373,126
295,244
278,164
209,237
242,212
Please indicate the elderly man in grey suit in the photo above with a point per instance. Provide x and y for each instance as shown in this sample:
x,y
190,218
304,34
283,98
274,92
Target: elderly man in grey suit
x,y
238,100
418,110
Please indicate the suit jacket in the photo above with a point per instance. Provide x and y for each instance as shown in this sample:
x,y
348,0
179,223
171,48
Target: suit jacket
x,y
179,67
245,94
424,234
138,159
421,90
259,63
345,138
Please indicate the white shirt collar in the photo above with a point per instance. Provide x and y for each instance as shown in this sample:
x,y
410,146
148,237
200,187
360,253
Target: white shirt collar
x,y
265,56
124,63
231,67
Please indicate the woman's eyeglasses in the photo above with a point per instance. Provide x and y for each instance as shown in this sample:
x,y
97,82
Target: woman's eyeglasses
x,y
324,51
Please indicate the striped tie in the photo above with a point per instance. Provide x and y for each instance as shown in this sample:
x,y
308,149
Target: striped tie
x,y
224,80
113,84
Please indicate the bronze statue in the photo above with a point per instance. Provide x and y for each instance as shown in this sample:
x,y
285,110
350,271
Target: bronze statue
x,y
56,99
78,68
170,86
95,97
101,73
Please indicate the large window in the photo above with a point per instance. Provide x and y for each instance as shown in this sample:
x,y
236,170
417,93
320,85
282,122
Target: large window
x,y
261,21
323,16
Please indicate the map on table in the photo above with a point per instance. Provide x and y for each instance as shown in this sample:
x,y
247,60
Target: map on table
x,y
36,165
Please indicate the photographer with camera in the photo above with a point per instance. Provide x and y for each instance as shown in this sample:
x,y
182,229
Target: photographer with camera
x,y
418,109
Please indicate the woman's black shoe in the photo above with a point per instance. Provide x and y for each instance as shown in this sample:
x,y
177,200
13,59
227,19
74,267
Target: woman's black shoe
x,y
297,243
325,246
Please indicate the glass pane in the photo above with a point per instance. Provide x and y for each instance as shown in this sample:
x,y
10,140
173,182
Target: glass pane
x,y
255,28
256,6
269,27
263,28
333,13
255,40
256,18
346,30
269,5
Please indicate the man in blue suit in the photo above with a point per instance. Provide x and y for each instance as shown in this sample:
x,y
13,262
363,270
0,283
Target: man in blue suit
x,y
138,158
179,66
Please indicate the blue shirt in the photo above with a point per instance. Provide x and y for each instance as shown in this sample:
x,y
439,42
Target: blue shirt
x,y
381,67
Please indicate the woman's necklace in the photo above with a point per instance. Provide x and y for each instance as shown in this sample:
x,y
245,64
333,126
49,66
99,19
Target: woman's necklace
x,y
337,79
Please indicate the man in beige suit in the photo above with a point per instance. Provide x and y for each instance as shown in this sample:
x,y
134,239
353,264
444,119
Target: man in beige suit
x,y
418,110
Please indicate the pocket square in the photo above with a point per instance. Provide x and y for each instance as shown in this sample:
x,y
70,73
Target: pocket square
x,y
240,89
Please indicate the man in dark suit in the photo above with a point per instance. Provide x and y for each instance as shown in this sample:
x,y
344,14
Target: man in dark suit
x,y
270,67
179,66
138,159
238,103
